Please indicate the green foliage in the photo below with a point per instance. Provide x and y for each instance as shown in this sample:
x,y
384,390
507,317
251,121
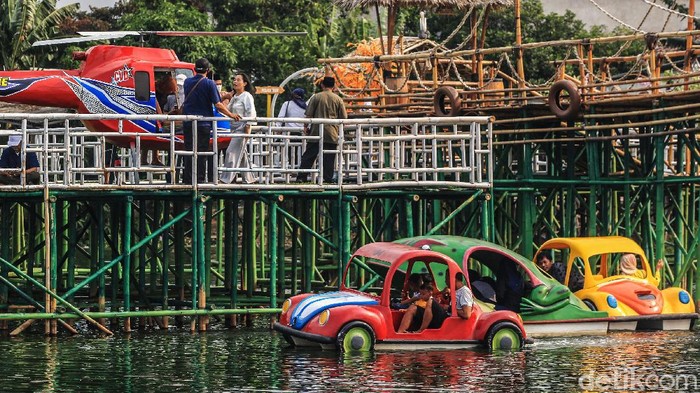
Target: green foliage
x,y
22,22
179,16
270,60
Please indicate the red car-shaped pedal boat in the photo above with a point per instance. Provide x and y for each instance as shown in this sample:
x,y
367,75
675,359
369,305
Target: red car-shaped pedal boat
x,y
360,316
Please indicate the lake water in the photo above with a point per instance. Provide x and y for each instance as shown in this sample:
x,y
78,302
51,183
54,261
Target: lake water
x,y
257,359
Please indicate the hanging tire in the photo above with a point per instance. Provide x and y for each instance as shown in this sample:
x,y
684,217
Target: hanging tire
x,y
356,337
504,336
439,102
560,110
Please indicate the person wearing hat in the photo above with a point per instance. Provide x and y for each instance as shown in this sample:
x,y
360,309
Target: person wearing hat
x,y
296,107
628,266
201,95
323,105
11,158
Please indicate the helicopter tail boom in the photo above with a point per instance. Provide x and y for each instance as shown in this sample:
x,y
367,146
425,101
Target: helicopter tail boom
x,y
43,88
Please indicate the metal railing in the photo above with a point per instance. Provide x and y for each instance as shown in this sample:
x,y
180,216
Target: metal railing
x,y
452,152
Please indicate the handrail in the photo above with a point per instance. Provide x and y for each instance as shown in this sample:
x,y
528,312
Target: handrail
x,y
372,153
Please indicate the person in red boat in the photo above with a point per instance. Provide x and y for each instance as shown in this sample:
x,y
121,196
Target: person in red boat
x,y
424,313
463,297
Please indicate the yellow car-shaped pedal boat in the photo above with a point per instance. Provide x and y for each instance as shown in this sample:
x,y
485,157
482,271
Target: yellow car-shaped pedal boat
x,y
612,274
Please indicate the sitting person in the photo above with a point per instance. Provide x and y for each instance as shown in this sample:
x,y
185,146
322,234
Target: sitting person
x,y
556,270
463,297
510,286
424,313
628,266
442,297
415,280
12,159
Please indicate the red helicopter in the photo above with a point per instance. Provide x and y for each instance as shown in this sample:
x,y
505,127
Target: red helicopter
x,y
110,80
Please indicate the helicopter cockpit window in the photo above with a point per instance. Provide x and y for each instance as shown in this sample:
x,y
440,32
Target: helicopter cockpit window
x,y
142,82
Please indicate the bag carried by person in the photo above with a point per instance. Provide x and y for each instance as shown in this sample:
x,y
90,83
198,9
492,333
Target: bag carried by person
x,y
178,111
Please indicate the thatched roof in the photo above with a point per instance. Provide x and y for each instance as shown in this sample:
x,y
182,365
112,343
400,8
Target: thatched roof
x,y
350,4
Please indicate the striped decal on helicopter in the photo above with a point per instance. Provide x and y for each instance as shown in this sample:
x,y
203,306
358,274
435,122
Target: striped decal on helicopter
x,y
105,98
12,86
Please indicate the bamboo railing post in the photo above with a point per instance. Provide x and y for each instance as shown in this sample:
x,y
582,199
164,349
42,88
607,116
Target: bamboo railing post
x,y
519,48
474,39
604,70
654,70
590,74
480,72
435,62
689,44
581,66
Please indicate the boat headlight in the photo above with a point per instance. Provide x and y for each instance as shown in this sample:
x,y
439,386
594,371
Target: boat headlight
x,y
684,297
324,317
612,302
286,305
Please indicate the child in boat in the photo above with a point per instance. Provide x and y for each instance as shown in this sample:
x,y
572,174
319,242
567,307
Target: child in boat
x,y
412,294
424,313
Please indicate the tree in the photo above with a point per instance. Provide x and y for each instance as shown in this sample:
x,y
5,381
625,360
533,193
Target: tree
x,y
179,15
25,21
536,26
270,60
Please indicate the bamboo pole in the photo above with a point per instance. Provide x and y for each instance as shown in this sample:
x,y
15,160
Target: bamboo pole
x,y
624,59
126,247
54,297
504,49
140,313
519,46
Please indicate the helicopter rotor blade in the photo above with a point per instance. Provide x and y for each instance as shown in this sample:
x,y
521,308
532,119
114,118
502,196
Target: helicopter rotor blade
x,y
85,38
166,33
123,33
228,33
113,35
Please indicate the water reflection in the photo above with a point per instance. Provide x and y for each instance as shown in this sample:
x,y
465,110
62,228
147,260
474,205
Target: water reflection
x,y
257,359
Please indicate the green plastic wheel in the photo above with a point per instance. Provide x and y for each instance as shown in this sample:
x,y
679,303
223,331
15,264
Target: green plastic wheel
x,y
504,336
356,337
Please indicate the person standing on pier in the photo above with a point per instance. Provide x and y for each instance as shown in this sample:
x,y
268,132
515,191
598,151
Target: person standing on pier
x,y
201,95
242,104
324,105
295,107
11,158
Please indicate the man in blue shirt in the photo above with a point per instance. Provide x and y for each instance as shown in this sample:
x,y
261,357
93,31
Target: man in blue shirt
x,y
201,95
11,158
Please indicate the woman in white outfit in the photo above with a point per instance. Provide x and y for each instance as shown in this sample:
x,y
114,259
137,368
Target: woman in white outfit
x,y
242,104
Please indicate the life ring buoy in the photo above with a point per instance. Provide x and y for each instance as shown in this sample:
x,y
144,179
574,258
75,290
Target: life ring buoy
x,y
571,111
439,101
